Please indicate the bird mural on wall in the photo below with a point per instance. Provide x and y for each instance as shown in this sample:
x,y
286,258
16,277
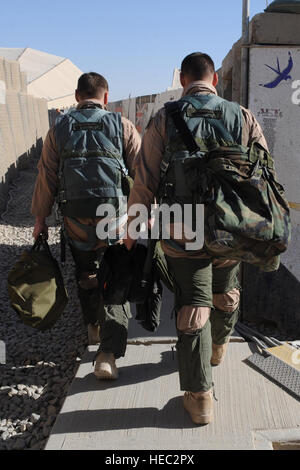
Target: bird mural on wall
x,y
282,75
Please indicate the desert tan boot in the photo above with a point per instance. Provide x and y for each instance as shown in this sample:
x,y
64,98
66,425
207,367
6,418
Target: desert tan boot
x,y
105,366
218,353
199,406
93,334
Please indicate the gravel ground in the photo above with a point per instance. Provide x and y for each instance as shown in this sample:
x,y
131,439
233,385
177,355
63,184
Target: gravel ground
x,y
39,365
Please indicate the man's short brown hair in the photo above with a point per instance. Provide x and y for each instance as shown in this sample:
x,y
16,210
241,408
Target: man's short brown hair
x,y
197,66
90,84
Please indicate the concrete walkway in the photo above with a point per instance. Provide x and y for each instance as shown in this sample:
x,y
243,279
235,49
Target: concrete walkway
x,y
143,408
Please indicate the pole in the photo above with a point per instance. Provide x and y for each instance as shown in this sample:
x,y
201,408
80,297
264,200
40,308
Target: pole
x,y
245,54
244,77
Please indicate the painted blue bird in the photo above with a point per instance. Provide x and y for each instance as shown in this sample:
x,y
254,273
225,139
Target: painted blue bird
x,y
284,75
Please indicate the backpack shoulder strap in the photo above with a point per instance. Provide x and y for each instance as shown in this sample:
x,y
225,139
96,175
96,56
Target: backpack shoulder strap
x,y
173,110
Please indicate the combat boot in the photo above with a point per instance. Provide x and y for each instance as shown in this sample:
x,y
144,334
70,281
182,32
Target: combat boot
x,y
105,366
199,406
218,353
93,334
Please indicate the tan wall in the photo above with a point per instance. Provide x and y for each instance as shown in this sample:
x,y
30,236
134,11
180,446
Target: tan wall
x,y
68,101
23,123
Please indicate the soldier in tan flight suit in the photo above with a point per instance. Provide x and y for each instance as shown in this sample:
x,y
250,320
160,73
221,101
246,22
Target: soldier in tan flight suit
x,y
207,290
92,98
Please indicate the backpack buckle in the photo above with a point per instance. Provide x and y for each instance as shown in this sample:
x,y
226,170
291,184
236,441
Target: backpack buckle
x,y
169,190
164,166
61,196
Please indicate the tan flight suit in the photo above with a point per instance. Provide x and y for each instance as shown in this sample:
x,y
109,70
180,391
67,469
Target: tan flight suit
x,y
205,288
113,319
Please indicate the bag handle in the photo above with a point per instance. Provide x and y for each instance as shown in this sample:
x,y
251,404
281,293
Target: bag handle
x,y
41,241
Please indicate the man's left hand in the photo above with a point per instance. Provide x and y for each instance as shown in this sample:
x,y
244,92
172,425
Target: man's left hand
x,y
40,227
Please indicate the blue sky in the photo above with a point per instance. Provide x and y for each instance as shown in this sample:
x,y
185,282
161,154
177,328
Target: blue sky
x,y
134,44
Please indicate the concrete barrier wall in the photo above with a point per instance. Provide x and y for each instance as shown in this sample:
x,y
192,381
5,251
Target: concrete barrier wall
x,y
272,298
23,124
139,110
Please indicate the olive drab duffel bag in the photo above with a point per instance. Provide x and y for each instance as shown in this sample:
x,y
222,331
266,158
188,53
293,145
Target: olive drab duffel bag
x,y
36,287
247,215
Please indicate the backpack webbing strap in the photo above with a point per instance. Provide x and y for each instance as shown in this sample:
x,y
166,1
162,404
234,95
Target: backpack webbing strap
x,y
257,152
80,117
173,110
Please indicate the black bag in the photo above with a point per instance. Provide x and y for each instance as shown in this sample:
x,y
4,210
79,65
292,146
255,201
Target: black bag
x,y
36,287
148,312
119,272
132,276
146,291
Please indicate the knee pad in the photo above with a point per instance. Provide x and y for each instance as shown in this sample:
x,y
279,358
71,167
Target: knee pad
x,y
87,280
191,319
228,302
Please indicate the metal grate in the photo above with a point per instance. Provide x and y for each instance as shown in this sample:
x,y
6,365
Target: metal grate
x,y
285,375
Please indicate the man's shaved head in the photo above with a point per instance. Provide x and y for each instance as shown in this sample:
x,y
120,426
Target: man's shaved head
x,y
198,66
91,85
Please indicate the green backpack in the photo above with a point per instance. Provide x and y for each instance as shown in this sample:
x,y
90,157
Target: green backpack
x,y
36,288
247,215
92,168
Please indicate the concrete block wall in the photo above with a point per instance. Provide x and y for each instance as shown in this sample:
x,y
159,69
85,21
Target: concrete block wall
x,y
270,298
23,124
230,74
275,28
272,29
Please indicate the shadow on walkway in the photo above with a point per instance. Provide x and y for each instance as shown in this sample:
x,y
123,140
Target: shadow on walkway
x,y
128,375
172,416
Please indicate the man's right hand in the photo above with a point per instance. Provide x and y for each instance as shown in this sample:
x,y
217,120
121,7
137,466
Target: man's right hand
x,y
40,226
